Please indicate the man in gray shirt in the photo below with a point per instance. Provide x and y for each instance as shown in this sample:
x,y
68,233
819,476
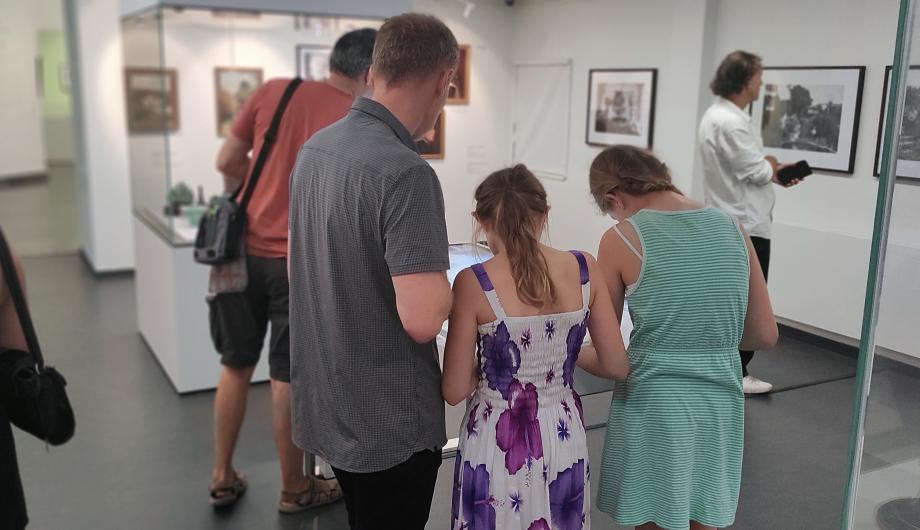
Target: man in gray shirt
x,y
369,293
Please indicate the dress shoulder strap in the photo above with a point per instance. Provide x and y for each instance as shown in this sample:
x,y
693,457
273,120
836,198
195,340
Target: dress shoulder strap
x,y
584,276
489,290
629,245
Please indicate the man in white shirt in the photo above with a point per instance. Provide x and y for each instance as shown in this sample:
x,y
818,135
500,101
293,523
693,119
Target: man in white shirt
x,y
739,178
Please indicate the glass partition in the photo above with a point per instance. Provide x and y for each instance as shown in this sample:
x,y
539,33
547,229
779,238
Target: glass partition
x,y
884,484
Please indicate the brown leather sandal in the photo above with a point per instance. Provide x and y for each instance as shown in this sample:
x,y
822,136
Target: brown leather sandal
x,y
319,493
228,492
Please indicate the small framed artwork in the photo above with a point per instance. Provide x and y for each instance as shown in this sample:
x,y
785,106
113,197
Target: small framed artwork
x,y
909,144
152,99
232,87
431,146
621,106
811,113
313,61
460,86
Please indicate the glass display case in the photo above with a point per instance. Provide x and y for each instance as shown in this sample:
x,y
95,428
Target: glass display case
x,y
187,72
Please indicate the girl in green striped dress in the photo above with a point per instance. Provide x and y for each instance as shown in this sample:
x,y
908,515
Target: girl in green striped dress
x,y
672,454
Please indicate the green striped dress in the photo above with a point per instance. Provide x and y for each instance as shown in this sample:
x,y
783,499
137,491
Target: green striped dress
x,y
675,435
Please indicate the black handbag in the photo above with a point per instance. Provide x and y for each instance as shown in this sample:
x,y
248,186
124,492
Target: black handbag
x,y
32,395
220,231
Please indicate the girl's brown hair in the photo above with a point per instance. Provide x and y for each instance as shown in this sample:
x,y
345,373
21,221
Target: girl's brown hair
x,y
513,201
629,169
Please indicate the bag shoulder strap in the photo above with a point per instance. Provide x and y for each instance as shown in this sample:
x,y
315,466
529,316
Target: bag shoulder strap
x,y
269,139
11,278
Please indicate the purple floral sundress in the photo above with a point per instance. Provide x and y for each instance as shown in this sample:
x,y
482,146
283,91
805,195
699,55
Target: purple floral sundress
x,y
522,462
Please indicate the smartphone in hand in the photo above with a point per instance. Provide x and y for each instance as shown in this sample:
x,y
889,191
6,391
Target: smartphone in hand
x,y
799,170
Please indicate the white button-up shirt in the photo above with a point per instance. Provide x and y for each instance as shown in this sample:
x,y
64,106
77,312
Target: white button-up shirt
x,y
737,177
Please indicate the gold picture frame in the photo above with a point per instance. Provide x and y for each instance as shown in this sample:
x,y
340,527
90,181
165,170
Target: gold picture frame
x,y
461,82
232,87
152,100
432,145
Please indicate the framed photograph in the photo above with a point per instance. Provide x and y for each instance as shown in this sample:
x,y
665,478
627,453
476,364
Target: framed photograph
x,y
909,145
313,61
431,146
460,92
811,113
152,99
232,87
621,106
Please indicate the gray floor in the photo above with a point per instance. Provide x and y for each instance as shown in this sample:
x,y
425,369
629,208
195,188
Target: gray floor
x,y
141,457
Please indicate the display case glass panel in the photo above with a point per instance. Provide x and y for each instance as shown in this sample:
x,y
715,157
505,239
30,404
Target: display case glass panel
x,y
187,73
884,482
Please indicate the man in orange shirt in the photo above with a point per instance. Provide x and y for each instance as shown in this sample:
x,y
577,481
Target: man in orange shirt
x,y
239,320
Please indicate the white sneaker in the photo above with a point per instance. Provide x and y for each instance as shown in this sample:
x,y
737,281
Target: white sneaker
x,y
752,385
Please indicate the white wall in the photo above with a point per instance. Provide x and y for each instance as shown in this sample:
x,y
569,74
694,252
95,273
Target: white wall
x,y
103,189
658,34
58,128
823,227
477,135
22,149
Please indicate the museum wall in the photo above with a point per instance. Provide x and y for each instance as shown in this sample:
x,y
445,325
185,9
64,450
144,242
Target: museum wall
x,y
823,228
103,189
477,139
596,34
56,113
20,103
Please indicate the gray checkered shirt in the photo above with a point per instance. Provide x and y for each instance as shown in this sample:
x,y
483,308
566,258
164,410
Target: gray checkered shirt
x,y
364,207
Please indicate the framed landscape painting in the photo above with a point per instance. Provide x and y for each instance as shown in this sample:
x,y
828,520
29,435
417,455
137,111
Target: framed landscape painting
x,y
152,100
810,113
313,61
621,107
431,146
232,87
909,144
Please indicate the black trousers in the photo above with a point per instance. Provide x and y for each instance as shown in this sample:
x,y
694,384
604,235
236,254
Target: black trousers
x,y
12,502
762,248
399,497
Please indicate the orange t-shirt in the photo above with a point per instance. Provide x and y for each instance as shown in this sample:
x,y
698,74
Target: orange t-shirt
x,y
313,106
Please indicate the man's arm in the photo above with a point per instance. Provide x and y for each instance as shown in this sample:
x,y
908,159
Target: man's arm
x,y
233,162
11,334
423,301
415,249
746,157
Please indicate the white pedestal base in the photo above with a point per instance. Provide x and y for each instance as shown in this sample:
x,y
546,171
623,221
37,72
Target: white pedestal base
x,y
172,313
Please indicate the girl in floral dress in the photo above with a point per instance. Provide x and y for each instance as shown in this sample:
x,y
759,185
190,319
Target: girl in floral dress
x,y
515,336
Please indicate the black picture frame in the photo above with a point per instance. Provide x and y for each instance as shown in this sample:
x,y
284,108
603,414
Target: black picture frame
x,y
589,120
857,111
886,88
